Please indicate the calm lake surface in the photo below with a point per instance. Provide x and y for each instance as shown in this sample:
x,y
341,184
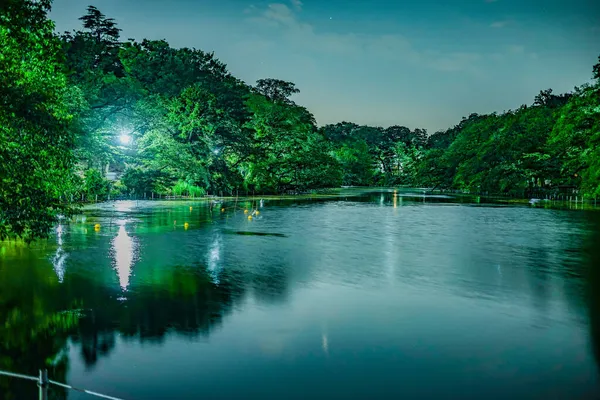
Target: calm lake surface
x,y
375,296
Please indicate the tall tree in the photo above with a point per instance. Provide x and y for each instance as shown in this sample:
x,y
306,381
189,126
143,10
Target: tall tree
x,y
276,89
35,140
575,137
92,56
288,152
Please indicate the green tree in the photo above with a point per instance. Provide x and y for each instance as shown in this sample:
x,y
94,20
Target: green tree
x,y
276,90
95,184
288,153
108,94
575,138
35,115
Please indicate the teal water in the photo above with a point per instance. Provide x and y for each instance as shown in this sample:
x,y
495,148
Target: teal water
x,y
374,296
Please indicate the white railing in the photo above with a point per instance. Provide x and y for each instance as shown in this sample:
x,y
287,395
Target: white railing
x,y
43,383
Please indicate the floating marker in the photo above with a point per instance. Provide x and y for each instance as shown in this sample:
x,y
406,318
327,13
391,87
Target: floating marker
x,y
245,211
250,217
97,226
257,212
222,209
191,208
186,225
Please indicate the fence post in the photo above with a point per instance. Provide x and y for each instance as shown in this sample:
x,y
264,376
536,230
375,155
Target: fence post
x,y
43,384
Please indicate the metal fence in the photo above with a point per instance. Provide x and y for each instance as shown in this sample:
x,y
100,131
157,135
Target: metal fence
x,y
43,383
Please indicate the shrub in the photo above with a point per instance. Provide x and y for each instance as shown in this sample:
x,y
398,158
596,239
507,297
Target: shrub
x,y
183,188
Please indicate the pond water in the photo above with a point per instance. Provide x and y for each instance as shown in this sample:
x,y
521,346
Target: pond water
x,y
370,296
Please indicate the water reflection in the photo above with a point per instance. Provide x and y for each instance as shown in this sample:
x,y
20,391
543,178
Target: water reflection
x,y
124,252
325,343
593,287
214,258
58,261
411,293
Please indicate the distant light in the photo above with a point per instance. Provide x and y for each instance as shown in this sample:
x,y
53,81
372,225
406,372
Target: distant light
x,y
124,138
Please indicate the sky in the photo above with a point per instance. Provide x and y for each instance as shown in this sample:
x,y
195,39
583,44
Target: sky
x,y
417,63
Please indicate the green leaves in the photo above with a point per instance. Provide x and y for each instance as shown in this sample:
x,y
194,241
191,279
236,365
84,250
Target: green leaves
x,y
35,140
287,153
194,128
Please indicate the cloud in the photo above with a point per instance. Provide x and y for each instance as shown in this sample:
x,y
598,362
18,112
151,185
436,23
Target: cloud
x,y
281,14
499,24
298,34
297,4
517,49
454,61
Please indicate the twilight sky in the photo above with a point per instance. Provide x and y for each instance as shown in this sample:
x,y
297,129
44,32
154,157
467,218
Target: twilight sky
x,y
418,63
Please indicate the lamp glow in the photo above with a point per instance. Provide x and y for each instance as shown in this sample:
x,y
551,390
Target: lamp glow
x,y
124,138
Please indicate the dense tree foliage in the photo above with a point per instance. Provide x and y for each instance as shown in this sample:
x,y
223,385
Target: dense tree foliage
x,y
35,113
79,108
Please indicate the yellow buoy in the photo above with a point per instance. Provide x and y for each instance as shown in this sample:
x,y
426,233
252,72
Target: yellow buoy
x,y
191,208
97,227
257,212
186,225
250,217
245,211
222,209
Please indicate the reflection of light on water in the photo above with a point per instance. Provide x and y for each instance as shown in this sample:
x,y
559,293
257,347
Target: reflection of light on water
x,y
124,205
58,261
325,342
214,258
59,233
123,249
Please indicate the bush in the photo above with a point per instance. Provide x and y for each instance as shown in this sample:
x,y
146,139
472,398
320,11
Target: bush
x,y
118,189
140,180
183,188
94,184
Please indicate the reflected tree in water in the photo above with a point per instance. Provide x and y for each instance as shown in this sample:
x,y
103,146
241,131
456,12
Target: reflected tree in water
x,y
34,325
183,300
594,286
89,301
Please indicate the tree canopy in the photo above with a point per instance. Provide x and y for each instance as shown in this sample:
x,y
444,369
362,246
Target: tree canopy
x,y
81,105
